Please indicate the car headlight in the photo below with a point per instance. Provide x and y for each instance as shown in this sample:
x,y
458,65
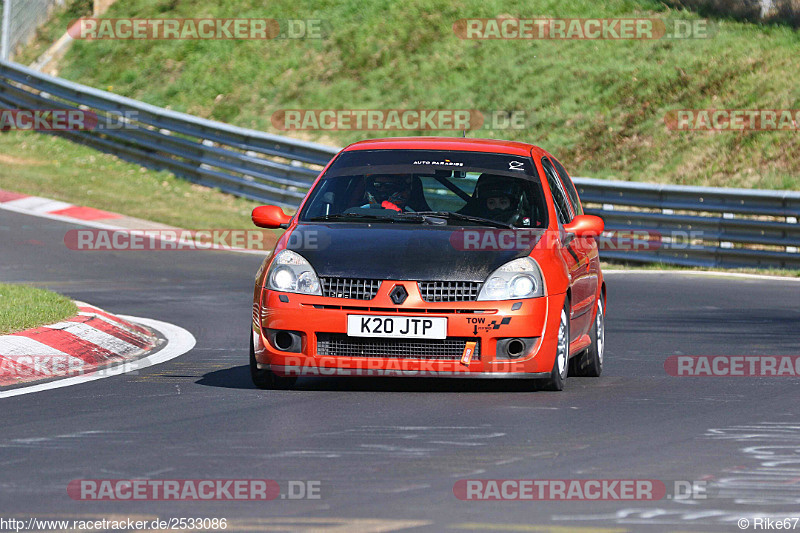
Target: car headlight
x,y
520,278
291,272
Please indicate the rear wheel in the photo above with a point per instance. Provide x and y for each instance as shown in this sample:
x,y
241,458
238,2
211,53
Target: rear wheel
x,y
266,379
558,375
590,362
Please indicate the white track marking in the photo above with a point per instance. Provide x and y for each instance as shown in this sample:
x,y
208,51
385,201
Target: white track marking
x,y
85,309
38,205
8,206
60,218
179,341
109,321
18,345
713,273
95,336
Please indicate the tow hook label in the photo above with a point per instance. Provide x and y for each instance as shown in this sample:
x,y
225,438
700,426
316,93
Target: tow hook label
x,y
479,324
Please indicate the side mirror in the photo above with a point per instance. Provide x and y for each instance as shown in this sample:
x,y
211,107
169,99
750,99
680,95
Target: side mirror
x,y
585,226
270,216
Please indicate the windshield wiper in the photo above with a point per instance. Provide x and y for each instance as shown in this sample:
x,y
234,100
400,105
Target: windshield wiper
x,y
449,215
362,216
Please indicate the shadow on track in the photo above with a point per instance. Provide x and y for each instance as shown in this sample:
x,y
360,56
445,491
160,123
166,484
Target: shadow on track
x,y
238,377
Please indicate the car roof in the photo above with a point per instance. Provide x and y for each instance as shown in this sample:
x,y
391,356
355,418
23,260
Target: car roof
x,y
449,143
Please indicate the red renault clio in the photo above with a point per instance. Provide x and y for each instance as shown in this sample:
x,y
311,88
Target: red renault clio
x,y
440,257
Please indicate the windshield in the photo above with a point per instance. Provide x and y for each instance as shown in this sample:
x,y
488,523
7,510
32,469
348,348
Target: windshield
x,y
463,188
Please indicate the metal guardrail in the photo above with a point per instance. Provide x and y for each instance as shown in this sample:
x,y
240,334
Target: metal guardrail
x,y
695,226
240,161
668,224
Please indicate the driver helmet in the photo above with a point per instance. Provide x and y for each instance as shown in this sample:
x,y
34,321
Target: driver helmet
x,y
391,191
501,198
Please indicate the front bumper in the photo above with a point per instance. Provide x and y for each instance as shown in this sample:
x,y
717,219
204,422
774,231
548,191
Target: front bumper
x,y
485,323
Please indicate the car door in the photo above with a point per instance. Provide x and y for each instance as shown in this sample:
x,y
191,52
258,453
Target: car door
x,y
587,244
574,255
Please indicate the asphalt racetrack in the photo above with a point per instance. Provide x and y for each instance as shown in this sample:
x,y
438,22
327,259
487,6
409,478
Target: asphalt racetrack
x,y
386,453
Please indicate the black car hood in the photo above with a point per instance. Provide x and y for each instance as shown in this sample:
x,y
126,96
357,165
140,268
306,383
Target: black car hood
x,y
397,251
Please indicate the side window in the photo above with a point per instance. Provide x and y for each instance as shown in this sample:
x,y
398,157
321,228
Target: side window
x,y
563,208
334,195
570,187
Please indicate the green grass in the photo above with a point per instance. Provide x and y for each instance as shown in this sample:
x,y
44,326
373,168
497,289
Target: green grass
x,y
24,307
44,165
598,105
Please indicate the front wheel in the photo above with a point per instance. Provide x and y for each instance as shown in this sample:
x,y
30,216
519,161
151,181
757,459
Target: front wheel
x,y
590,362
558,375
266,379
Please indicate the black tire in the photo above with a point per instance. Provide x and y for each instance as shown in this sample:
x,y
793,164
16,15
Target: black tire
x,y
265,379
589,363
558,375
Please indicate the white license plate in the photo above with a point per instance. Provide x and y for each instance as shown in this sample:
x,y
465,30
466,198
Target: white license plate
x,y
407,327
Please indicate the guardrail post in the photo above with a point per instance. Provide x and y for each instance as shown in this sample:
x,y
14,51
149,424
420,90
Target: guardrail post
x,y
789,220
4,30
725,244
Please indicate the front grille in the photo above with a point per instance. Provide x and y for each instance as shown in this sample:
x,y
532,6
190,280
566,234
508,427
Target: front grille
x,y
339,344
449,291
352,288
384,310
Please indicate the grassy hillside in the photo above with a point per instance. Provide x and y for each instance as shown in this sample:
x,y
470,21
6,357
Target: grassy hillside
x,y
44,165
598,105
23,307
